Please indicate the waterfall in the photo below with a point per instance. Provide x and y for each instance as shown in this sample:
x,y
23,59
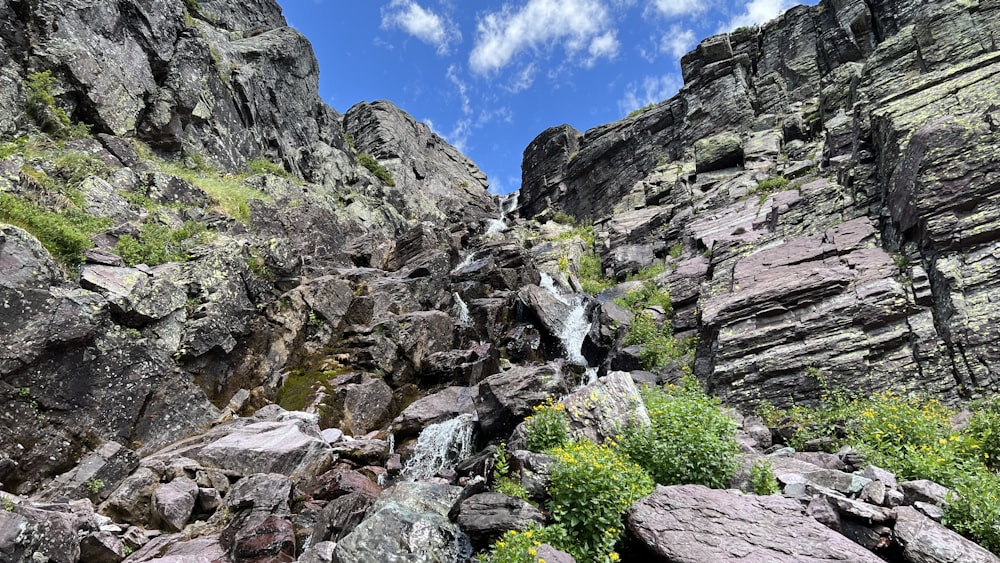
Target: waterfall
x,y
439,446
574,327
507,204
461,308
469,259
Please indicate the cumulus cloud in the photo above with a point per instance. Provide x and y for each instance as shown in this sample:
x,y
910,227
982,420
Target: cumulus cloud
x,y
542,24
759,11
424,24
675,8
651,90
678,41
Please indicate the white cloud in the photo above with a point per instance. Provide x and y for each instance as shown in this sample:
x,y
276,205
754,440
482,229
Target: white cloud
x,y
522,80
759,11
652,89
463,92
678,41
603,46
541,24
675,8
421,23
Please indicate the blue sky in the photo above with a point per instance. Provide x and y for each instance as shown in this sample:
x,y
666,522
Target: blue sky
x,y
489,76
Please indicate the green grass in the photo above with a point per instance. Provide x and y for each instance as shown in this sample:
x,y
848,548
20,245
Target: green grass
x,y
229,192
66,235
159,244
376,168
265,166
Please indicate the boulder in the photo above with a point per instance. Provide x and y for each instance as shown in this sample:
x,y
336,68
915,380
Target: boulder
x,y
340,516
507,397
436,407
409,522
174,502
674,522
925,541
601,410
486,516
718,151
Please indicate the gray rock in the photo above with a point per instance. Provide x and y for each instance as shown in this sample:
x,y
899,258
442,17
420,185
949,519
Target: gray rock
x,y
409,522
486,516
719,151
924,491
174,502
507,397
672,521
434,408
925,541
604,408
340,517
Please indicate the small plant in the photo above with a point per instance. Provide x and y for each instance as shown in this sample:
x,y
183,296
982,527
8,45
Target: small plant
x,y
768,186
517,546
676,250
127,550
563,218
563,264
502,482
24,392
690,440
94,485
547,427
762,481
265,166
376,168
65,234
159,244
8,504
641,110
591,488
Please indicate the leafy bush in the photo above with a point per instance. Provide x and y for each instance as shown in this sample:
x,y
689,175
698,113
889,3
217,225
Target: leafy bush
x,y
762,481
517,546
563,218
974,508
42,108
646,296
984,429
591,274
547,427
769,186
690,440
376,168
591,488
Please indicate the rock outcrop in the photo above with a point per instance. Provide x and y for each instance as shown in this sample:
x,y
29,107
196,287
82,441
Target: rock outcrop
x,y
832,166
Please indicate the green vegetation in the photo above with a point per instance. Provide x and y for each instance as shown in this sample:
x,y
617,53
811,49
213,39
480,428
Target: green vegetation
x,y
659,347
265,166
768,186
94,485
912,436
42,108
676,250
502,482
592,486
376,168
563,218
762,481
158,243
647,273
641,110
229,192
546,428
8,504
691,439
65,234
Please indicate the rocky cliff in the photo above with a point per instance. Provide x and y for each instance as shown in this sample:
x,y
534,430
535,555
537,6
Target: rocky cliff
x,y
830,180
238,325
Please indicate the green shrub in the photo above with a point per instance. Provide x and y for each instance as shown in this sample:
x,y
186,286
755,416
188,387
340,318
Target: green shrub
x,y
591,488
517,546
691,440
42,108
762,481
547,427
74,166
974,508
591,274
66,235
769,186
159,244
647,273
563,218
230,193
984,429
649,295
376,168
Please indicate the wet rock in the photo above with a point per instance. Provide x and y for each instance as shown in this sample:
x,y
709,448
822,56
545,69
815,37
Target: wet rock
x,y
486,516
671,521
436,407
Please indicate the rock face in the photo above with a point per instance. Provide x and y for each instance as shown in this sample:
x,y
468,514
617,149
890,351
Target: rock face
x,y
690,523
846,213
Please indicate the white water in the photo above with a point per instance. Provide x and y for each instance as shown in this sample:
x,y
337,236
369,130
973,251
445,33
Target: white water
x,y
469,259
461,308
439,446
574,328
507,204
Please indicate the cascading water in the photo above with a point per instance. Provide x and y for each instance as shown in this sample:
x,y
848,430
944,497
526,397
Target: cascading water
x,y
507,204
469,259
441,445
574,327
461,309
